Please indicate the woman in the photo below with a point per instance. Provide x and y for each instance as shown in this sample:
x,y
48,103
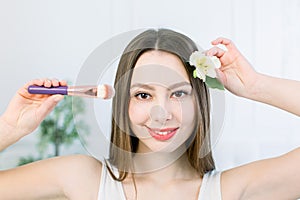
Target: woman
x,y
154,117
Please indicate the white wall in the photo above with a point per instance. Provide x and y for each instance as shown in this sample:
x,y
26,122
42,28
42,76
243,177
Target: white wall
x,y
52,38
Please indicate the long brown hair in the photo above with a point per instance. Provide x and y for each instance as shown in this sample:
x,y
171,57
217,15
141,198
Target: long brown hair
x,y
123,141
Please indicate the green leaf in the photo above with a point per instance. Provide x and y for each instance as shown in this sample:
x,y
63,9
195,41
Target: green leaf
x,y
214,83
195,73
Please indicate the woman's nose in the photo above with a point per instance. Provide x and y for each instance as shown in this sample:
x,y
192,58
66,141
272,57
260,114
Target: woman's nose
x,y
160,114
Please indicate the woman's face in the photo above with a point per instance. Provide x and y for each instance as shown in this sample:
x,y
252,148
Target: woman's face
x,y
162,106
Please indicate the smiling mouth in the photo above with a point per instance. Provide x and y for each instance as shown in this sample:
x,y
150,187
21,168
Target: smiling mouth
x,y
162,134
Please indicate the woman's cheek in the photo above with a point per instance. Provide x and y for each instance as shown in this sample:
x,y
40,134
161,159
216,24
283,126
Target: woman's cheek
x,y
183,110
188,112
138,112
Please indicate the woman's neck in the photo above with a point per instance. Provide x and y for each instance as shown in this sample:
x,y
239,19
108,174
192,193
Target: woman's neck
x,y
163,166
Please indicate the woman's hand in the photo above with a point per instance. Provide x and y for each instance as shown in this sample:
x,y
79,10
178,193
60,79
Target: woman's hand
x,y
26,111
236,73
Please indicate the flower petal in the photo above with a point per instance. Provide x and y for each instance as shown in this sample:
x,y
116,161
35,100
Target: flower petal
x,y
200,74
211,72
195,58
216,61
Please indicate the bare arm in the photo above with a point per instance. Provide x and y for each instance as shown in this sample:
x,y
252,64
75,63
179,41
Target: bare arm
x,y
69,177
238,76
275,178
278,92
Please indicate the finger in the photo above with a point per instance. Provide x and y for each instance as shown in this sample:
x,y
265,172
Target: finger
x,y
215,51
224,41
55,82
221,76
48,105
221,40
47,83
63,83
38,82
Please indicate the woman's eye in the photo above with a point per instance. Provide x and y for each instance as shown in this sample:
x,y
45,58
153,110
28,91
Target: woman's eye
x,y
142,96
179,94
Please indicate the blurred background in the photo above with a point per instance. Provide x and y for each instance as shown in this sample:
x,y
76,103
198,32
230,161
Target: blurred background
x,y
53,38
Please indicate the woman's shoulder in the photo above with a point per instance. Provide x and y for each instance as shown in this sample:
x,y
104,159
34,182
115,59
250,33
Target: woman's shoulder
x,y
73,177
81,166
76,161
80,175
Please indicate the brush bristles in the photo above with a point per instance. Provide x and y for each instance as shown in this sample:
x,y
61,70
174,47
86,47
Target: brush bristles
x,y
105,91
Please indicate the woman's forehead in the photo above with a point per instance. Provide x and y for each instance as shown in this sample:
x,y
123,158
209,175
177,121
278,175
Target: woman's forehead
x,y
159,57
159,67
157,74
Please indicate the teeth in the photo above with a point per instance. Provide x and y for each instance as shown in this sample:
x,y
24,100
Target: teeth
x,y
162,133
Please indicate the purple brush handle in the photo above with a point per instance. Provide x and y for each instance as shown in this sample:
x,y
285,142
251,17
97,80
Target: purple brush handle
x,y
33,89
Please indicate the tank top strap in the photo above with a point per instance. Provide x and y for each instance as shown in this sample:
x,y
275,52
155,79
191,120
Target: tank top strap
x,y
211,186
109,188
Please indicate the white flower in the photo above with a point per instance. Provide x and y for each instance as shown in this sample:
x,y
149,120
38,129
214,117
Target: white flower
x,y
205,69
200,74
216,61
205,66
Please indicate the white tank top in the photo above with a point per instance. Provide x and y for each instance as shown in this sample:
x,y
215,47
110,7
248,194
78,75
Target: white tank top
x,y
110,189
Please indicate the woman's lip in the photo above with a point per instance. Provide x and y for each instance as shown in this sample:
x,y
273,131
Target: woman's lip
x,y
162,134
162,129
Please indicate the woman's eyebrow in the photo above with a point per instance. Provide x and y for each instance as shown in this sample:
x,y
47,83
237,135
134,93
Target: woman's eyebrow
x,y
176,85
141,85
171,87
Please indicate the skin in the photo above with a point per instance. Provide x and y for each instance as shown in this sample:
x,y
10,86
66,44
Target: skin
x,y
23,115
275,178
156,106
239,77
177,105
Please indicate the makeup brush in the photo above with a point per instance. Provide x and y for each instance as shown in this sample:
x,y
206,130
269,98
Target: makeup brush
x,y
101,91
